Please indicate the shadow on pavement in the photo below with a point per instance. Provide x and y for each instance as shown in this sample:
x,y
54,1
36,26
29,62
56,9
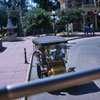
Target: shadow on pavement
x,y
18,39
3,49
78,90
68,46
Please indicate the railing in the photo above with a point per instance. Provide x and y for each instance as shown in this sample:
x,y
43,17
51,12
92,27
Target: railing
x,y
49,84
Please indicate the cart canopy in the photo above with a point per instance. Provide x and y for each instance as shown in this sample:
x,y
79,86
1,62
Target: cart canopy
x,y
49,40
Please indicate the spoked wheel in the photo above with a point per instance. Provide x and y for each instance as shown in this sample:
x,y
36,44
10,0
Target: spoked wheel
x,y
39,71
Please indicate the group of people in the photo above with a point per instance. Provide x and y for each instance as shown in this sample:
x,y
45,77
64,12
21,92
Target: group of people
x,y
58,54
89,28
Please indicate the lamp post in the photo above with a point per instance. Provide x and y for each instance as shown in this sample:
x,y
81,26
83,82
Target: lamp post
x,y
54,18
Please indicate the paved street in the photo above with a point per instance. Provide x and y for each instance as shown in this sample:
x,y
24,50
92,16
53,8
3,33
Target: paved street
x,y
82,54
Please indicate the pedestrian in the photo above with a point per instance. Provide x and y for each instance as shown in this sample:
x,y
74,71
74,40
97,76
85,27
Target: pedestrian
x,y
40,55
86,29
25,32
92,29
70,28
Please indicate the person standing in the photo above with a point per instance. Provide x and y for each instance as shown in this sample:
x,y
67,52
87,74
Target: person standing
x,y
86,29
92,29
70,28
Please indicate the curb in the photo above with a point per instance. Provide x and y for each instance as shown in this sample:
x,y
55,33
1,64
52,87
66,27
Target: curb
x,y
82,37
28,73
29,69
75,38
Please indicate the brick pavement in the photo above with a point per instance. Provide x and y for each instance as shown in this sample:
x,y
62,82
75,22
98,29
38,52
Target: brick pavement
x,y
13,70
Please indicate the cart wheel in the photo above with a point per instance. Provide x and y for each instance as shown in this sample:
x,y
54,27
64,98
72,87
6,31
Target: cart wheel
x,y
72,69
39,71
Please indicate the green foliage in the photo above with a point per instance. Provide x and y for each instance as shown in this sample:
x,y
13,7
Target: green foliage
x,y
37,19
9,3
48,4
69,15
85,1
3,16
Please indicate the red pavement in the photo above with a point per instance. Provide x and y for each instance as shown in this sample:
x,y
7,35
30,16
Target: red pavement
x,y
13,69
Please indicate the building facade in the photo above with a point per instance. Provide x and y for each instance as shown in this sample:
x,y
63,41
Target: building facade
x,y
91,9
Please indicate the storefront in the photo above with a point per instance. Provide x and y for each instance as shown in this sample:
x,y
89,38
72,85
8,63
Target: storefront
x,y
91,14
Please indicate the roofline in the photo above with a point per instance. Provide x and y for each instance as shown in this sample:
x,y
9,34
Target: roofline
x,y
44,44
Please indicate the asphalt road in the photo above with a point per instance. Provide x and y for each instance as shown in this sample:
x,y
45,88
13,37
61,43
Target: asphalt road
x,y
82,54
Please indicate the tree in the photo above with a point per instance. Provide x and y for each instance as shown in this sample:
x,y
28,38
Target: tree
x,y
48,4
37,19
57,5
9,3
69,15
3,16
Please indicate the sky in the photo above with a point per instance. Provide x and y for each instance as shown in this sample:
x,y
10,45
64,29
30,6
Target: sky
x,y
30,2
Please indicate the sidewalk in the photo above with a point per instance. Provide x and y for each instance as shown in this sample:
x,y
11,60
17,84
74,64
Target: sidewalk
x,y
13,69
78,35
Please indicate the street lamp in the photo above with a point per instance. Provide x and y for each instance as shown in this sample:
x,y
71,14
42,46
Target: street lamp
x,y
54,18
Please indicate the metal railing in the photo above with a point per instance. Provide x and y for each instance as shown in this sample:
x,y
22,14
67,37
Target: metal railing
x,y
49,84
